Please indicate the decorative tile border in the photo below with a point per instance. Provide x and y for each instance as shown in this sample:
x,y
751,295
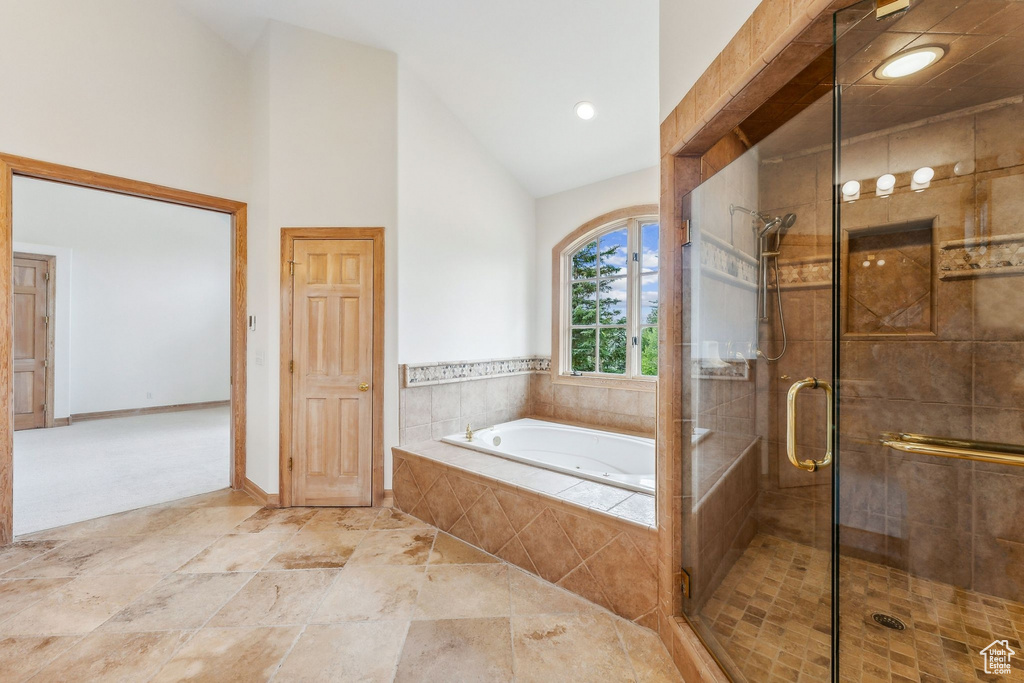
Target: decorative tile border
x,y
425,374
733,369
981,256
807,274
723,261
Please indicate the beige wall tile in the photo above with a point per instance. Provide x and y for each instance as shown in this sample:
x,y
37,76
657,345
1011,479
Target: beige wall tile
x,y
445,402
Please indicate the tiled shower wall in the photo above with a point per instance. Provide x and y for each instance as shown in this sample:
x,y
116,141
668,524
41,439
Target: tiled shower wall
x,y
946,362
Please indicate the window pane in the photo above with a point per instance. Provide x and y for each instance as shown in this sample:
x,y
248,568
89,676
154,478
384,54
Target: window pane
x,y
613,350
613,301
614,254
584,262
584,303
649,300
583,352
649,351
649,247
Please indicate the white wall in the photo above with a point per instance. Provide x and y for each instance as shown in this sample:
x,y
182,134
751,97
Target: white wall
x,y
466,257
692,35
143,319
136,89
559,214
325,154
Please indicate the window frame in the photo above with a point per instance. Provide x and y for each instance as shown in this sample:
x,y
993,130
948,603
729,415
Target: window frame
x,y
633,219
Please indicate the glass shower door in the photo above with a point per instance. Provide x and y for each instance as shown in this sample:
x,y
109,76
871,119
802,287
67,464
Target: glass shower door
x,y
757,527
930,341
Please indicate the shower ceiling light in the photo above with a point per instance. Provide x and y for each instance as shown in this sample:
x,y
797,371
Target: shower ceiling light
x,y
924,175
886,182
909,62
585,110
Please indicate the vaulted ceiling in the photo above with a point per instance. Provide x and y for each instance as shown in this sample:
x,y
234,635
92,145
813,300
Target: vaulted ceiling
x,y
511,71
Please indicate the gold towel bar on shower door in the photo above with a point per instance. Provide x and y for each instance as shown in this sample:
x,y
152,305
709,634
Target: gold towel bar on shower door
x,y
814,383
982,451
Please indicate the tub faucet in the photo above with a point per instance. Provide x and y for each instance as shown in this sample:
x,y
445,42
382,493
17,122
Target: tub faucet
x,y
469,433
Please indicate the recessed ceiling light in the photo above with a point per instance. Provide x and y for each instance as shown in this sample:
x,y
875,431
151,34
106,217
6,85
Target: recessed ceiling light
x,y
585,110
910,62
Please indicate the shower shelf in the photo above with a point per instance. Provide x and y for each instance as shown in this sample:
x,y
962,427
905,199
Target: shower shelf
x,y
982,451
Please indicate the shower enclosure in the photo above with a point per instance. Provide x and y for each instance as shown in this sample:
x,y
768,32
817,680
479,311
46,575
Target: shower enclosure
x,y
856,510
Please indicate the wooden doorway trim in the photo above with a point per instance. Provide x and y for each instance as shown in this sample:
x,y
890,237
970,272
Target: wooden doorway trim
x,y
288,237
51,304
11,166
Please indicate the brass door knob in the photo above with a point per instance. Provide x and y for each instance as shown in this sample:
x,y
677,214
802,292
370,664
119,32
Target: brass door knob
x,y
364,387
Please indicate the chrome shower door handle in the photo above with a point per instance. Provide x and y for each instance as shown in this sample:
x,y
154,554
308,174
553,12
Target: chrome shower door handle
x,y
814,383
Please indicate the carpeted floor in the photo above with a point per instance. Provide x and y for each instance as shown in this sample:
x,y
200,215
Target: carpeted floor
x,y
91,469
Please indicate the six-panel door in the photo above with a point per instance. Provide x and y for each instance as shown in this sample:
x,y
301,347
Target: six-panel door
x,y
332,341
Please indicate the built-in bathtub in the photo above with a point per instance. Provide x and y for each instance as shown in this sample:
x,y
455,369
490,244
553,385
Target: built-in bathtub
x,y
616,459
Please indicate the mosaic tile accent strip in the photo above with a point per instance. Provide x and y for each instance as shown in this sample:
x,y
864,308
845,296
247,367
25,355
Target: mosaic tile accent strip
x,y
771,616
977,257
809,274
459,371
722,259
703,368
611,564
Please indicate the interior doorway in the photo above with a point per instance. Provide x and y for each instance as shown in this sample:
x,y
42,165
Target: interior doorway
x,y
12,167
332,366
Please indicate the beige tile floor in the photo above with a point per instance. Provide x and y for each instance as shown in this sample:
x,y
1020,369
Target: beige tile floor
x,y
215,588
771,615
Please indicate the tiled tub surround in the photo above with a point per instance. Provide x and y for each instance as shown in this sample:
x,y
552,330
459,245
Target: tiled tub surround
x,y
595,540
627,410
433,411
952,369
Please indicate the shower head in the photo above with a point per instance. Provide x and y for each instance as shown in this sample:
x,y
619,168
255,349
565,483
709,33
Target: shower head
x,y
779,222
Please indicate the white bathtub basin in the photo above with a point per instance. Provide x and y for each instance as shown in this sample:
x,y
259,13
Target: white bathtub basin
x,y
615,459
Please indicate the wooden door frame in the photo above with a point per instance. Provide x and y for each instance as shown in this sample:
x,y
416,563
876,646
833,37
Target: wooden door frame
x,y
11,166
288,237
51,308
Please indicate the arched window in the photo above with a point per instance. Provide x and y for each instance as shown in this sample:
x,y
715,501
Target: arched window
x,y
608,298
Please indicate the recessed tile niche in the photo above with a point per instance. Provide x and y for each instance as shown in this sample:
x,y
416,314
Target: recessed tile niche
x,y
889,280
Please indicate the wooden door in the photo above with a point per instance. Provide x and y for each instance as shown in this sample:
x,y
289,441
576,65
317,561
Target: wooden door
x,y
29,347
332,348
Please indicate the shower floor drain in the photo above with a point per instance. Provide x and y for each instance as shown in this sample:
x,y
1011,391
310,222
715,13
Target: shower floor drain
x,y
889,621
